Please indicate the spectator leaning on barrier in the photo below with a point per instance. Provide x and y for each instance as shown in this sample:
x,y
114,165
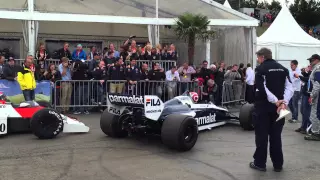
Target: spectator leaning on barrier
x,y
26,79
154,75
66,86
117,76
172,77
305,107
133,75
185,72
293,104
209,91
232,87
314,99
2,65
64,52
144,77
82,86
219,78
79,54
40,69
100,73
10,70
249,84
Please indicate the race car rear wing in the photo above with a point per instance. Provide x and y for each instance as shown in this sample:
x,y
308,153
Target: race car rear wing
x,y
152,105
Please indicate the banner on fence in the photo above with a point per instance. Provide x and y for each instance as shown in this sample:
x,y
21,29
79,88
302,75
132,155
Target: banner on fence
x,y
13,92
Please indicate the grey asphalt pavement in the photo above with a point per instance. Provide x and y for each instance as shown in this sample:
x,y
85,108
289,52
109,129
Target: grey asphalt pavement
x,y
220,154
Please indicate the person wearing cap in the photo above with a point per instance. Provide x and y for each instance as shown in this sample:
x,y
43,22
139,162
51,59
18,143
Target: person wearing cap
x,y
79,54
10,70
314,98
273,93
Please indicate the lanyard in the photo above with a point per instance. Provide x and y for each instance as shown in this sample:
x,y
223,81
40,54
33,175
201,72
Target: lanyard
x,y
309,84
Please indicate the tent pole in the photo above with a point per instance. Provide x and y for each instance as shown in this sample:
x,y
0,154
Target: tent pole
x,y
31,30
208,46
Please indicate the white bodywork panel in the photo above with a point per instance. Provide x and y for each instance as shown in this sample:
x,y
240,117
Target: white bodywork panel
x,y
73,125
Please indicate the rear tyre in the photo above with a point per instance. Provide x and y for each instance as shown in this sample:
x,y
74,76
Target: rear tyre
x,y
245,117
46,123
111,125
179,132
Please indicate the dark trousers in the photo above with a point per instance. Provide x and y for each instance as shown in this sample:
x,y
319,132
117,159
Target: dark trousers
x,y
305,111
28,95
250,93
293,105
267,128
218,98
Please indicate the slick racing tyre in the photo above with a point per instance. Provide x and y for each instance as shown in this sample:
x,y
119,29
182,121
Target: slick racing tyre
x,y
179,132
245,117
44,104
111,125
46,123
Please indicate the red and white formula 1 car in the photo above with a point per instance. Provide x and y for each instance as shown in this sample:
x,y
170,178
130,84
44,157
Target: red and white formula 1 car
x,y
44,122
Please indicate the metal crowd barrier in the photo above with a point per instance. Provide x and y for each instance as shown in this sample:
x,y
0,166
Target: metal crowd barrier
x,y
233,92
87,94
165,64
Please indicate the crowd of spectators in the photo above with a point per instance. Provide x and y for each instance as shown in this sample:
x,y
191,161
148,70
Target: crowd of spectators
x,y
97,73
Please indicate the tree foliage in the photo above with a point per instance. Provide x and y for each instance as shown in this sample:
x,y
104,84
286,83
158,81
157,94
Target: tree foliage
x,y
191,27
306,12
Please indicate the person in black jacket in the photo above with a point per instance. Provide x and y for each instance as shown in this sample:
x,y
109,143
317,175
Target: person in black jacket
x,y
81,87
273,93
54,76
305,105
10,70
64,52
133,75
156,75
219,79
99,73
117,76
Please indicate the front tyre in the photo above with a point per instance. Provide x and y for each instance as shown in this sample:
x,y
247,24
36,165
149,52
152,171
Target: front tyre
x,y
46,123
111,125
179,132
245,117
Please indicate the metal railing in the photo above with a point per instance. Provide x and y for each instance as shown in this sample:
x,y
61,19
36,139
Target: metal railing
x,y
84,94
165,64
233,92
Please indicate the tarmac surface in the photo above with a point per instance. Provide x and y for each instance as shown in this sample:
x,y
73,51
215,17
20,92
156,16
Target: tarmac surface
x,y
223,153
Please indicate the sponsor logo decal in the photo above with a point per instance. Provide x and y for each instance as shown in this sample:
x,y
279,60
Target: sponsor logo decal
x,y
60,123
114,110
125,99
2,106
206,119
153,111
152,102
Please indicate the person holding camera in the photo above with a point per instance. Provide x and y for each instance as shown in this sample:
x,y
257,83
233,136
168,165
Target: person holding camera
x,y
172,77
66,86
82,85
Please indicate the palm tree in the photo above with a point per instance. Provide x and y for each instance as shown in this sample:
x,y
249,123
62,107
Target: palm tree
x,y
191,27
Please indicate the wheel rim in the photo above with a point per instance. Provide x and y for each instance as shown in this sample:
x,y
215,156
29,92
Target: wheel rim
x,y
189,134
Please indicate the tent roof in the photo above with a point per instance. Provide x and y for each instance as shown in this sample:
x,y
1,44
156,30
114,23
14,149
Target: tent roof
x,y
135,8
285,30
227,4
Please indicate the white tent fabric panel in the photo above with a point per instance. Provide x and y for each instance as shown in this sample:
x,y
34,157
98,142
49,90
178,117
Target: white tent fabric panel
x,y
285,30
227,4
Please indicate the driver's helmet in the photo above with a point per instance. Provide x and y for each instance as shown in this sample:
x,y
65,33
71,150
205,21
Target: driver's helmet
x,y
194,96
3,98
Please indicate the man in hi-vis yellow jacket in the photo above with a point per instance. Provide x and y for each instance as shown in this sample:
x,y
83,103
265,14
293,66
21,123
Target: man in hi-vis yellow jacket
x,y
25,78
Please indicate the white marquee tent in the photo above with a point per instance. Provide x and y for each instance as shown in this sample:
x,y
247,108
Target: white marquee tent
x,y
288,41
227,4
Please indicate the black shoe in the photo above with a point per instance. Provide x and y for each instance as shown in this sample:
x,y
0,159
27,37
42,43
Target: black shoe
x,y
277,169
253,166
298,130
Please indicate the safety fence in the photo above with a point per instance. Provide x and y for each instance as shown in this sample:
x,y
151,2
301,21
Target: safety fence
x,y
83,95
233,92
165,64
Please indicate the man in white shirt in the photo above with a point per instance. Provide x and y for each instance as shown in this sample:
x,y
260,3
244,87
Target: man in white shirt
x,y
172,76
249,84
296,83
